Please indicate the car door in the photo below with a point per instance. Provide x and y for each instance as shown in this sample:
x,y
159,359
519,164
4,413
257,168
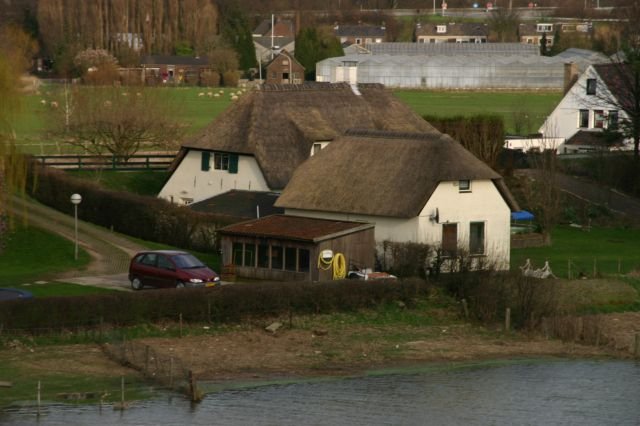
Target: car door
x,y
166,273
147,269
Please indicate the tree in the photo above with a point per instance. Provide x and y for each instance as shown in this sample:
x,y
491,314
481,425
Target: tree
x,y
504,24
235,30
313,46
16,48
108,120
97,66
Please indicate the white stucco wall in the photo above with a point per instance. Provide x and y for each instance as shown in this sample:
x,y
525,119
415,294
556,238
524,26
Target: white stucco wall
x,y
564,121
482,204
189,182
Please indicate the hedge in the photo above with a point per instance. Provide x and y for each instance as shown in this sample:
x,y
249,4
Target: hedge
x,y
143,217
220,304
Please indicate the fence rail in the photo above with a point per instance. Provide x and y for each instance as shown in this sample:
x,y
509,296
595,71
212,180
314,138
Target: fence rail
x,y
114,162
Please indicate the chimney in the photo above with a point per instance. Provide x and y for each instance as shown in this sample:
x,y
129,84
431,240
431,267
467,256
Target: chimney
x,y
570,75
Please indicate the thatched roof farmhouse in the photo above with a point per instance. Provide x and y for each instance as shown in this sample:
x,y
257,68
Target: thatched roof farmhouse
x,y
258,142
423,188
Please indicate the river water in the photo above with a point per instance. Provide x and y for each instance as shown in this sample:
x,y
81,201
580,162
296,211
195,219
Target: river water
x,y
518,393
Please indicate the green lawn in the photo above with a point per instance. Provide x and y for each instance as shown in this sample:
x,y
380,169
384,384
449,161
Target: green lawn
x,y
535,105
610,250
32,254
195,111
138,182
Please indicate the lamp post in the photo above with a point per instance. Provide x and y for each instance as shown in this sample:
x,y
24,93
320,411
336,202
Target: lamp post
x,y
75,200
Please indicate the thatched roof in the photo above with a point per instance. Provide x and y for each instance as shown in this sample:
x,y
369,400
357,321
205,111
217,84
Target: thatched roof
x,y
278,124
383,174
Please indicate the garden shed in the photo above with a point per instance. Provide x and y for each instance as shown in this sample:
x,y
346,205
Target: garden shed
x,y
287,248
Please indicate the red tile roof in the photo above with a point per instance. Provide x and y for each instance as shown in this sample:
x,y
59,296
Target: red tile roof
x,y
295,228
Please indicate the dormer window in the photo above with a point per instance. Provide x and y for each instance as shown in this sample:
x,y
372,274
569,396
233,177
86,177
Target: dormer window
x,y
545,28
591,86
464,185
441,29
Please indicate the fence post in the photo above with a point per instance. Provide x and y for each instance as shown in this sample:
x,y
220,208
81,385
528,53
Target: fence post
x,y
171,372
146,359
595,268
113,161
569,268
38,404
619,266
181,324
507,320
465,308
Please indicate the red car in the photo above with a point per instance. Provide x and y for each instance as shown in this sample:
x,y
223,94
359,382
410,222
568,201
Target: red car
x,y
169,269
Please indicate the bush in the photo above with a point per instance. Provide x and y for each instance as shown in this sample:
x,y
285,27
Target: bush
x,y
221,304
143,217
230,78
210,79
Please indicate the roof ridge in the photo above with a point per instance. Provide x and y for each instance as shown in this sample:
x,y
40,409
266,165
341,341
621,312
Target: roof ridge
x,y
389,134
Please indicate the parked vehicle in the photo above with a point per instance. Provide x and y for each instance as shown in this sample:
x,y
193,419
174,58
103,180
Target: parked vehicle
x,y
14,294
170,269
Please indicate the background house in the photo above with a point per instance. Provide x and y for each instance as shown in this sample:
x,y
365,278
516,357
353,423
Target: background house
x,y
259,141
590,105
360,34
269,40
465,32
532,33
422,188
283,247
158,69
284,69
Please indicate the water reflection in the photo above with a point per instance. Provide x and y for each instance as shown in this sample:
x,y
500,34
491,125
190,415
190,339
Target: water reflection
x,y
571,392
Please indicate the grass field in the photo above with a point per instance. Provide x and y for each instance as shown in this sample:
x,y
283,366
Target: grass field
x,y
195,112
535,105
32,254
610,251
32,122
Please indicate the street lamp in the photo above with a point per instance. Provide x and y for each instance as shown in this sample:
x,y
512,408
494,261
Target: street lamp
x,y
75,200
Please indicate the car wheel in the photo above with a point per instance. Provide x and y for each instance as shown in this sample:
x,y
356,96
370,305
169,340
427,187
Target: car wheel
x,y
179,284
136,284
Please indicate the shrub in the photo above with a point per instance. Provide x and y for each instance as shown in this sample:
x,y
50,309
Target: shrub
x,y
221,304
230,78
143,217
210,79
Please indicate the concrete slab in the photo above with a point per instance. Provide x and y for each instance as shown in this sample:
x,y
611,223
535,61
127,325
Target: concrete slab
x,y
114,281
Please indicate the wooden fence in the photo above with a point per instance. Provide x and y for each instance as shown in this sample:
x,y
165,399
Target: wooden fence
x,y
113,162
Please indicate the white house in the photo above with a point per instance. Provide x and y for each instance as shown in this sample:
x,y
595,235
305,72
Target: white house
x,y
422,188
591,105
257,143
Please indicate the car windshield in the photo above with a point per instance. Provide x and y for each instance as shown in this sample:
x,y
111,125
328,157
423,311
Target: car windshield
x,y
187,261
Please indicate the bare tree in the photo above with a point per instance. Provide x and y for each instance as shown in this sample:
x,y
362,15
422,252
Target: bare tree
x,y
110,120
504,24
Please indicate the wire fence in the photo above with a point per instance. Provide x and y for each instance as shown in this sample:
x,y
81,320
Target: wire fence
x,y
168,371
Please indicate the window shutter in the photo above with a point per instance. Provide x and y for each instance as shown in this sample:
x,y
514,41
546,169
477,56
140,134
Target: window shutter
x,y
233,163
206,161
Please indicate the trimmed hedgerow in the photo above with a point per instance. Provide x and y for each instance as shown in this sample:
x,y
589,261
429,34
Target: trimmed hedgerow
x,y
221,304
144,217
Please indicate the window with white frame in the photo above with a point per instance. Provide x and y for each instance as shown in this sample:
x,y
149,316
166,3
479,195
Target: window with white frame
x,y
583,118
220,161
591,86
599,119
476,238
464,185
545,28
441,29
612,120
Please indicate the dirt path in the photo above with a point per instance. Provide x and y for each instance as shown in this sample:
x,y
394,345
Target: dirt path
x,y
110,252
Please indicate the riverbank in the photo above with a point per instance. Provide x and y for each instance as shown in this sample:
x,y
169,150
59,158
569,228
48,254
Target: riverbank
x,y
290,353
313,346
